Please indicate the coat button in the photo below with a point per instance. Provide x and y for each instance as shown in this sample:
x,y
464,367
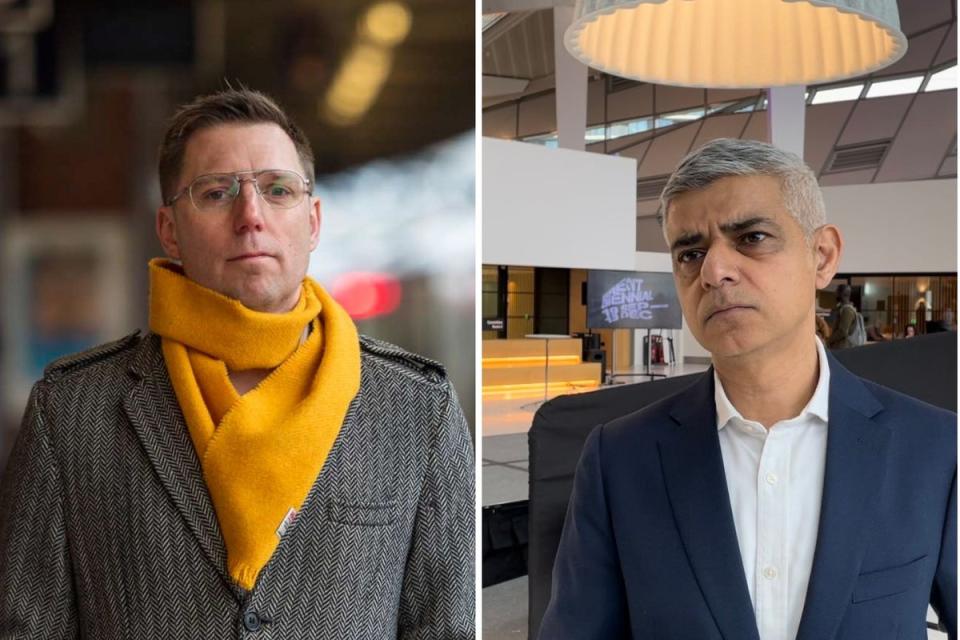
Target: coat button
x,y
251,621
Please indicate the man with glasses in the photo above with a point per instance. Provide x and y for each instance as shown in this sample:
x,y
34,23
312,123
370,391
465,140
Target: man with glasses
x,y
251,465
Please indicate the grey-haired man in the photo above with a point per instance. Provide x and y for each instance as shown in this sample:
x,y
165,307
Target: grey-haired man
x,y
779,496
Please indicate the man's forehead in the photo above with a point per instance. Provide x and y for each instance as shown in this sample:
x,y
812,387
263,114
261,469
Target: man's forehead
x,y
726,204
238,147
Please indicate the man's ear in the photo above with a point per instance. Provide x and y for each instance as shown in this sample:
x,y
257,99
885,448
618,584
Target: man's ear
x,y
828,248
167,232
315,217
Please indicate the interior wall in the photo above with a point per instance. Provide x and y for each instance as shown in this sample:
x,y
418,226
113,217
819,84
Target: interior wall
x,y
896,227
557,208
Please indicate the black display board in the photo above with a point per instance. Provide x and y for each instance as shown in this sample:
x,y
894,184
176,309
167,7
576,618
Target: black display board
x,y
924,367
632,300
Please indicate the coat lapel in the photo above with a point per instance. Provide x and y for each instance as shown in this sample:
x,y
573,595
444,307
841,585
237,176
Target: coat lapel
x,y
156,417
855,468
697,489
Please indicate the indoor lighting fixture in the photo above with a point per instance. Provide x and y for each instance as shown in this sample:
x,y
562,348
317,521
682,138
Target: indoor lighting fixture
x,y
736,43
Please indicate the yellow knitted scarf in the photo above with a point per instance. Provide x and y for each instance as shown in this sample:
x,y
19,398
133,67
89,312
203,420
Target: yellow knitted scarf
x,y
262,451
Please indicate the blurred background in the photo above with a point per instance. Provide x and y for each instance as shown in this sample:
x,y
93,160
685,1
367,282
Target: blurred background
x,y
384,89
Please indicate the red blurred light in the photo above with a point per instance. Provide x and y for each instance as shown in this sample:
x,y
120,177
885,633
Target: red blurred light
x,y
367,295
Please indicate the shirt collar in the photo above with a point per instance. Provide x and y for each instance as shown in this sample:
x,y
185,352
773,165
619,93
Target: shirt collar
x,y
818,405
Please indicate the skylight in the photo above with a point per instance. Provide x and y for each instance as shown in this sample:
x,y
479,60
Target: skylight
x,y
943,79
490,19
837,94
895,87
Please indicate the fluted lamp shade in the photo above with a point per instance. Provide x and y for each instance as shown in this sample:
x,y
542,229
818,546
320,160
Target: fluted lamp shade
x,y
736,43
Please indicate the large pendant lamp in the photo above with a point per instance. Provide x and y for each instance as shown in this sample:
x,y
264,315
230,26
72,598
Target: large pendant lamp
x,y
736,43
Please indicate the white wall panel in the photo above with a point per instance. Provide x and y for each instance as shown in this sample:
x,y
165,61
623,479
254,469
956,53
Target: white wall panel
x,y
557,208
898,227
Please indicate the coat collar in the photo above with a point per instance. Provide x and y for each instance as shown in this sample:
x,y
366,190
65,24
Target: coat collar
x,y
697,489
855,468
155,415
696,484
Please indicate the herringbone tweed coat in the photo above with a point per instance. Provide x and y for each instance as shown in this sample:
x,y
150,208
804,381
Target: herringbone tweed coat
x,y
107,530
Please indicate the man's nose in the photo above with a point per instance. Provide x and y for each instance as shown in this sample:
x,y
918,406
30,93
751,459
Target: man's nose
x,y
720,267
248,208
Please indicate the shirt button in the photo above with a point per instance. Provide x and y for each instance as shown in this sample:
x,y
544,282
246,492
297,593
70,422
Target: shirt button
x,y
771,479
769,573
251,621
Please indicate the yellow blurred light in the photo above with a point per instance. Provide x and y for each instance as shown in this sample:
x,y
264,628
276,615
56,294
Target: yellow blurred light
x,y
510,361
386,23
534,387
357,83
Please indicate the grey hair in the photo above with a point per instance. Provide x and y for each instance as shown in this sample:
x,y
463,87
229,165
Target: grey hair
x,y
725,157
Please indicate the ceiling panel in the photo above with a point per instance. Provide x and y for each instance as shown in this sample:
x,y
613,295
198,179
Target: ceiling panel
x,y
500,122
846,177
726,126
949,167
595,89
676,98
630,103
538,115
525,50
917,15
921,51
821,128
757,127
635,151
725,95
667,150
875,119
949,50
927,133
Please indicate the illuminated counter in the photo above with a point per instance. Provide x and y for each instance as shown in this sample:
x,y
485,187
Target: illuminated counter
x,y
517,367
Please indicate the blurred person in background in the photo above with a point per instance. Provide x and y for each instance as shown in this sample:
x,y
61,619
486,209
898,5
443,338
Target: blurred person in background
x,y
847,329
251,462
874,330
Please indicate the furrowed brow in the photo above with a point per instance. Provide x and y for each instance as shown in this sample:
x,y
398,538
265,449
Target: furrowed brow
x,y
739,226
686,240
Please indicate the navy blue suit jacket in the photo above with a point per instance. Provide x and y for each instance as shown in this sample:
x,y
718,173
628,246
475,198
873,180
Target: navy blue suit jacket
x,y
649,548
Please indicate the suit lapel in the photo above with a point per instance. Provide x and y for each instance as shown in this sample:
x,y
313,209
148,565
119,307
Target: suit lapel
x,y
697,489
855,468
158,422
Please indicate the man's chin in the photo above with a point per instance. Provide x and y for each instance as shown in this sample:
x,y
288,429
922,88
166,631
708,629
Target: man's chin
x,y
731,346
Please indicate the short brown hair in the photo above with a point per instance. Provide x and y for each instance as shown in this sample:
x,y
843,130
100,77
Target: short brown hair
x,y
230,106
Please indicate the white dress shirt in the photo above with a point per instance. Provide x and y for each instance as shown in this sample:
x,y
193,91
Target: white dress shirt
x,y
775,480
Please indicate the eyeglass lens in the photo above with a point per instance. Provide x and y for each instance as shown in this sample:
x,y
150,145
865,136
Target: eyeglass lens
x,y
282,189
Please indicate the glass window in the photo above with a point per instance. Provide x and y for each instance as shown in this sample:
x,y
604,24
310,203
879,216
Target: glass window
x,y
520,289
548,140
837,94
490,291
595,134
943,79
895,87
